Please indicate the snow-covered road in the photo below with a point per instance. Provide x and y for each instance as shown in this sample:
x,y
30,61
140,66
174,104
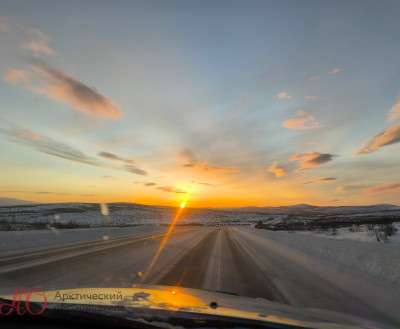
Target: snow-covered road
x,y
240,260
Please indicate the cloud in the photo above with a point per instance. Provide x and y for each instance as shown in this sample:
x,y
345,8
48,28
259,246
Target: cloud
x,y
309,160
207,184
315,78
135,170
321,180
39,45
17,77
114,157
311,97
146,183
390,187
394,112
302,122
328,179
27,38
170,189
209,168
63,88
278,171
333,200
64,151
336,70
388,136
284,95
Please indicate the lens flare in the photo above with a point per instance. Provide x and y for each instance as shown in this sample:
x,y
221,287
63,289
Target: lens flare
x,y
183,205
162,243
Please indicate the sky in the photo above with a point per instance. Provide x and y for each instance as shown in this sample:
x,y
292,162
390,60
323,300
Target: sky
x,y
212,103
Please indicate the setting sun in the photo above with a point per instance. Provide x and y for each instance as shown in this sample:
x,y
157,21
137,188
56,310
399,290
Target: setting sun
x,y
183,205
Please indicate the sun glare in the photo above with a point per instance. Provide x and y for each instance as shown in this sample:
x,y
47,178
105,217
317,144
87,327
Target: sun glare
x,y
183,205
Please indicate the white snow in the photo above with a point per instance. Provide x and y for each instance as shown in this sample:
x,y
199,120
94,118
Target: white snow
x,y
378,259
363,234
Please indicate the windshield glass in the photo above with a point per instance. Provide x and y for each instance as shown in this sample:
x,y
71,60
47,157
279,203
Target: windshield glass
x,y
249,148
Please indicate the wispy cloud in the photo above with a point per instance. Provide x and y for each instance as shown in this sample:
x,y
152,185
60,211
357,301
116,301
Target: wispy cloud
x,y
317,77
39,44
312,97
63,88
278,171
390,187
146,183
284,95
210,168
170,189
312,159
135,170
17,77
64,151
336,70
27,38
327,179
114,157
394,112
321,180
302,122
206,184
388,136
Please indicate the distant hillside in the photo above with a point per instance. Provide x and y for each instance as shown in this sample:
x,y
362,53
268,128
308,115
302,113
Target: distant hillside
x,y
6,202
305,209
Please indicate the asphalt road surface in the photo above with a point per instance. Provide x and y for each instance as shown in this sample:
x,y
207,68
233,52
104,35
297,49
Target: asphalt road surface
x,y
229,259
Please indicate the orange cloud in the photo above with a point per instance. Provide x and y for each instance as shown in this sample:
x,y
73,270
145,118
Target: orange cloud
x,y
309,160
302,122
394,112
210,168
278,171
64,88
170,189
17,77
395,187
284,94
388,136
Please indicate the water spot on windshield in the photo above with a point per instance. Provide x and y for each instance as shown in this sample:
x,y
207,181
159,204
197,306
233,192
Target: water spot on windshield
x,y
104,209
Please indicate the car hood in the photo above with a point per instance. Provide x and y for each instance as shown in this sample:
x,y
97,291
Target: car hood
x,y
154,298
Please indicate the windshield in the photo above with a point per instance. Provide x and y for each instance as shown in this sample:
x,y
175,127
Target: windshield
x,y
245,148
